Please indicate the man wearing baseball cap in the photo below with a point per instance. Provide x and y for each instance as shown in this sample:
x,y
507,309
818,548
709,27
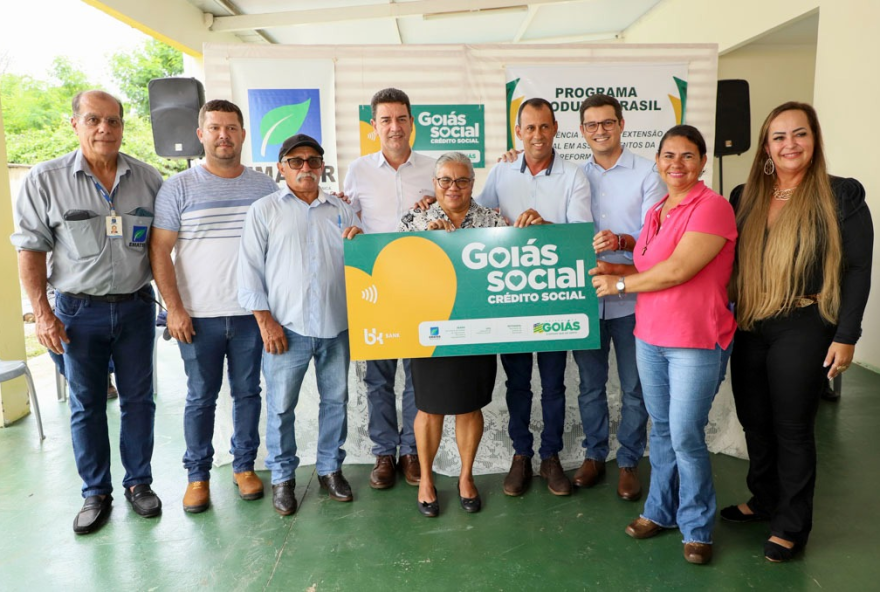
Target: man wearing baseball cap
x,y
291,276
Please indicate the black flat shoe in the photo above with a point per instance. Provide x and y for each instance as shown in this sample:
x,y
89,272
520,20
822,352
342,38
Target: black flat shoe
x,y
471,505
776,553
93,514
144,500
430,509
734,514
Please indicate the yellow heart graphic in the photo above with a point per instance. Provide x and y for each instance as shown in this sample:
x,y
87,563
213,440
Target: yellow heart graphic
x,y
413,280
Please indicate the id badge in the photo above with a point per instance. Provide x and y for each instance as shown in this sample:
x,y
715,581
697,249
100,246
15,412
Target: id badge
x,y
114,226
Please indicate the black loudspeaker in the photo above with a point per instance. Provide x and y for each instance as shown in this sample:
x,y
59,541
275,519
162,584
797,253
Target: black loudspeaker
x,y
174,111
733,118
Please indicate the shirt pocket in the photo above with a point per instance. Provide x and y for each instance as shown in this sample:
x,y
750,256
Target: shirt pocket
x,y
86,232
136,228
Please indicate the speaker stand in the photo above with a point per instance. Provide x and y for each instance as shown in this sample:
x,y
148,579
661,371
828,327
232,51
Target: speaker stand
x,y
721,175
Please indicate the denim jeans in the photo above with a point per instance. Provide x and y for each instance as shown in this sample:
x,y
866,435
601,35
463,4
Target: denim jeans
x,y
284,376
593,401
237,340
679,385
382,408
518,368
97,331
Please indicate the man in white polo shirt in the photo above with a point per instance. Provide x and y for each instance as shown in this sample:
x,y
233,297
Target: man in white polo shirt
x,y
539,187
382,187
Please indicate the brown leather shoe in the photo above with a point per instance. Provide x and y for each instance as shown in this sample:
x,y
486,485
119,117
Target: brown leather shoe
x,y
590,472
519,475
197,497
409,465
628,485
249,485
382,475
642,528
557,481
698,553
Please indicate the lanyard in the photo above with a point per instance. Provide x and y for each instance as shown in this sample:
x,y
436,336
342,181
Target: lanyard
x,y
108,197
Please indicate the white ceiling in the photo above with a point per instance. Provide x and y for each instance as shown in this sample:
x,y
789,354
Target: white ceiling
x,y
364,22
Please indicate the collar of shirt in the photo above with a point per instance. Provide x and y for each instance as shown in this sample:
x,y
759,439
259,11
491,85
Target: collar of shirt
x,y
435,212
322,197
626,160
80,165
382,161
550,170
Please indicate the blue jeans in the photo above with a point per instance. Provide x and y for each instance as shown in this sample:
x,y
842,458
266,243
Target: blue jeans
x,y
382,408
98,331
284,376
518,368
593,401
237,339
679,385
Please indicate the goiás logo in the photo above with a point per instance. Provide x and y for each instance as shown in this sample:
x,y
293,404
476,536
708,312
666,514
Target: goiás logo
x,y
277,114
434,333
557,327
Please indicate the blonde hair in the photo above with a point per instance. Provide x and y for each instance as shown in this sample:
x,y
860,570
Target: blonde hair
x,y
773,266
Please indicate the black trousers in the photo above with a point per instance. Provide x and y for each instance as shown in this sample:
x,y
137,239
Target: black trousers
x,y
777,373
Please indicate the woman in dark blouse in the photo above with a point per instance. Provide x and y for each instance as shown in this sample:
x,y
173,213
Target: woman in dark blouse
x,y
800,286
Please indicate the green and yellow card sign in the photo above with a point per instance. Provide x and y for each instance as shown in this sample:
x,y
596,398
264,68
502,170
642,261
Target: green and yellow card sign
x,y
473,291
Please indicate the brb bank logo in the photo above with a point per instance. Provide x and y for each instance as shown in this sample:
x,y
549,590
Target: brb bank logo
x,y
279,114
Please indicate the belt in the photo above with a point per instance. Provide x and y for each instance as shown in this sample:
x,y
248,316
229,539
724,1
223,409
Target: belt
x,y
111,298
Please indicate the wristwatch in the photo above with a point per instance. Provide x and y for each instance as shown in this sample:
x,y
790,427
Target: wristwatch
x,y
621,287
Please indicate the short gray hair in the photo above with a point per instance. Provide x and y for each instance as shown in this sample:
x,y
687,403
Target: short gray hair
x,y
77,99
455,158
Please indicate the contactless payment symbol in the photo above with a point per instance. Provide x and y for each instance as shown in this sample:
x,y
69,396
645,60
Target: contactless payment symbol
x,y
279,114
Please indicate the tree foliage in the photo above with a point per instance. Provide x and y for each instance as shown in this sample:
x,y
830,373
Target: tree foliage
x,y
134,71
36,112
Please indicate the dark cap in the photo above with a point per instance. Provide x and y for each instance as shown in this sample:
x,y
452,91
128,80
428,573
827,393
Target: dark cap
x,y
297,141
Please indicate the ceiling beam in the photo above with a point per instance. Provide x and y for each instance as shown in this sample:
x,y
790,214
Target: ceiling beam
x,y
357,13
524,26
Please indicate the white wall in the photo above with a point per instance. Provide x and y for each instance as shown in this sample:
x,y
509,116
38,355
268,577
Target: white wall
x,y
776,74
846,87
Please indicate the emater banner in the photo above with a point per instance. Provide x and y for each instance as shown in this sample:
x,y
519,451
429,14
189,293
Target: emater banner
x,y
472,291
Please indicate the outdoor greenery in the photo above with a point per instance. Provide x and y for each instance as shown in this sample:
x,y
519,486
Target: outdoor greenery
x,y
36,111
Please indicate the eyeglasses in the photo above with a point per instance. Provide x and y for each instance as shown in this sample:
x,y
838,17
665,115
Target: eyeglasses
x,y
94,121
607,125
461,182
296,163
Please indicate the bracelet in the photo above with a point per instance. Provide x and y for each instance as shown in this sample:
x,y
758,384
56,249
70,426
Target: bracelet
x,y
621,242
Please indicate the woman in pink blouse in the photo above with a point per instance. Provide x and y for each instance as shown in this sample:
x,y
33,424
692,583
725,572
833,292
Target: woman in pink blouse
x,y
684,333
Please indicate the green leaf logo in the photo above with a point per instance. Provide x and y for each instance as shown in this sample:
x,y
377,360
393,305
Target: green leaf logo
x,y
279,124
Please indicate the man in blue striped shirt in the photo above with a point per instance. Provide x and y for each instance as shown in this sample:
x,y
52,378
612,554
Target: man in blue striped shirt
x,y
199,215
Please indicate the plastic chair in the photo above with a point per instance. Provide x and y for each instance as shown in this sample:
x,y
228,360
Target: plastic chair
x,y
10,370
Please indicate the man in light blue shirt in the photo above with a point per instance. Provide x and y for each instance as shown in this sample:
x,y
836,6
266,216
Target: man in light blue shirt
x,y
291,275
539,187
623,187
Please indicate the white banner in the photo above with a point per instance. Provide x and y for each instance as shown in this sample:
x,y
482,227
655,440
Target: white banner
x,y
280,98
653,97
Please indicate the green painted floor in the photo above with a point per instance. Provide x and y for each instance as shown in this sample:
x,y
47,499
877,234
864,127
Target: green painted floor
x,y
380,542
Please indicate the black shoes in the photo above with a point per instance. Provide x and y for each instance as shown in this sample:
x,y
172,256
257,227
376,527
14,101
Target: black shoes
x,y
472,505
336,486
430,509
776,553
144,500
734,514
93,514
283,497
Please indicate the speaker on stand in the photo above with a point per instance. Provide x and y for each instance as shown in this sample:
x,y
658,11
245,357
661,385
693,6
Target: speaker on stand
x,y
174,113
733,122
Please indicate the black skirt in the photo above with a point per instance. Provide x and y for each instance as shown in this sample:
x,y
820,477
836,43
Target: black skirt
x,y
454,385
